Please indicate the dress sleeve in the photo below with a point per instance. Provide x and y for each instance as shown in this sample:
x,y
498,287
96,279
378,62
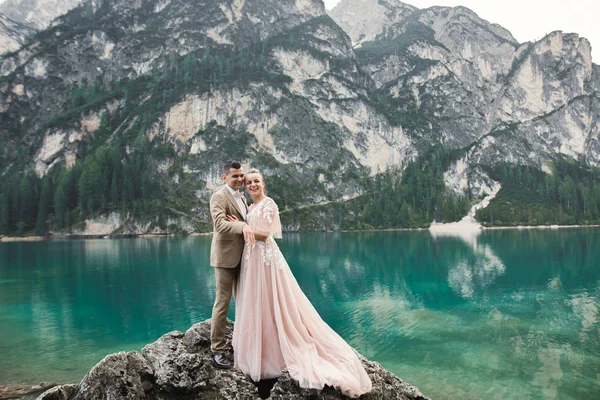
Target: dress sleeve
x,y
268,218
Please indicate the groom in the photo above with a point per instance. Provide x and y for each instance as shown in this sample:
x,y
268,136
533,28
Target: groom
x,y
226,252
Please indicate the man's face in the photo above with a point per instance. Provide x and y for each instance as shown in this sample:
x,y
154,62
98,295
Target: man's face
x,y
234,179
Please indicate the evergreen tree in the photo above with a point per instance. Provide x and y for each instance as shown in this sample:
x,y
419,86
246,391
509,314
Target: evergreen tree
x,y
4,212
404,214
41,225
114,189
60,206
27,203
188,68
127,196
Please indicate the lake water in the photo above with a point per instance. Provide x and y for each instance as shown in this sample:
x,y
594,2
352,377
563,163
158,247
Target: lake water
x,y
504,315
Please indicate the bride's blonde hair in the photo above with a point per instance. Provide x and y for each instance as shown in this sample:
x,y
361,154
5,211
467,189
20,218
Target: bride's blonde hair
x,y
256,171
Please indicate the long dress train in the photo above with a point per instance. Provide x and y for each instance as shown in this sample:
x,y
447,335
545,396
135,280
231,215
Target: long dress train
x,y
276,326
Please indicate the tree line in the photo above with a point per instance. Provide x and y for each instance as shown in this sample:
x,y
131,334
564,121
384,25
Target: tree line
x,y
569,194
104,182
411,199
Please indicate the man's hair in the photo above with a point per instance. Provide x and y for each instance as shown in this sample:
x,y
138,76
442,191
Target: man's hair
x,y
231,164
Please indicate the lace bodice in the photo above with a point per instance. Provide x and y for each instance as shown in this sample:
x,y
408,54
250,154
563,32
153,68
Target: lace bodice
x,y
264,217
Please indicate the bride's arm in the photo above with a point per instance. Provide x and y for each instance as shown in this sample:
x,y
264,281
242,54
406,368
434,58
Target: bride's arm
x,y
266,219
258,235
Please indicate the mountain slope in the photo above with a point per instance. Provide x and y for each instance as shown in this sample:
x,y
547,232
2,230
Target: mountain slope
x,y
117,117
37,13
455,79
21,19
471,80
13,34
194,85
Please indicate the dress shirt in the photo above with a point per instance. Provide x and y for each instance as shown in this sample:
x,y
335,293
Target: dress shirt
x,y
238,200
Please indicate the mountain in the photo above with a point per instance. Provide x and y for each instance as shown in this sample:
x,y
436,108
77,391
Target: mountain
x,y
37,13
13,34
194,83
116,118
478,86
21,19
365,20
455,78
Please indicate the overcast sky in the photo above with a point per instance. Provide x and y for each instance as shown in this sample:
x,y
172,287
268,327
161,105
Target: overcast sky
x,y
530,20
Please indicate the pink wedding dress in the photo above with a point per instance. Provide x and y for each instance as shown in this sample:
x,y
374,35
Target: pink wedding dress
x,y
276,326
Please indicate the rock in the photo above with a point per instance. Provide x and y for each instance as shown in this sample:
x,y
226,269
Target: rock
x,y
179,366
13,34
385,386
124,375
38,13
182,364
176,369
24,391
197,338
62,392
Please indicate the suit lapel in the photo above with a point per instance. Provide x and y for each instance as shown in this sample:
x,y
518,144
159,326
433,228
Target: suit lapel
x,y
233,202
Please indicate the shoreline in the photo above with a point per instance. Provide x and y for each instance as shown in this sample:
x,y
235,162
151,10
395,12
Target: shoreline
x,y
538,227
453,225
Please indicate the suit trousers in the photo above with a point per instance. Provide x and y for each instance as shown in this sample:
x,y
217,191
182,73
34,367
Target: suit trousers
x,y
226,281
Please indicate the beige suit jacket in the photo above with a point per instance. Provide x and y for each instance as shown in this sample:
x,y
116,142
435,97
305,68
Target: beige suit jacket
x,y
228,241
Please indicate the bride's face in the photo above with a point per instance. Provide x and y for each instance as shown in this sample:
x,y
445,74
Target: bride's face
x,y
254,185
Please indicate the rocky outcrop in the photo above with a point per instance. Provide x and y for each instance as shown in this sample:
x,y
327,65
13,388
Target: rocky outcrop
x,y
178,366
459,80
28,392
364,26
21,19
115,225
38,13
13,34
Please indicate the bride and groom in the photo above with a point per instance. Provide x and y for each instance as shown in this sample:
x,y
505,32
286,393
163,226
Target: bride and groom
x,y
276,326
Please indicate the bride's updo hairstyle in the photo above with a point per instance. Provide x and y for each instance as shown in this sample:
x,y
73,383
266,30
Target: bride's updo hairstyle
x,y
256,171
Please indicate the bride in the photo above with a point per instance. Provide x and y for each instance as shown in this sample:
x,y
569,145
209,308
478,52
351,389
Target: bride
x,y
276,326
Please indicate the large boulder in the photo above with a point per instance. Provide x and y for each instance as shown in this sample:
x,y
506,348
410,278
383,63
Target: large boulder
x,y
179,366
118,376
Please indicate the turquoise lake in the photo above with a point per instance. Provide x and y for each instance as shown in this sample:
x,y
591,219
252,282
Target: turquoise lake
x,y
507,314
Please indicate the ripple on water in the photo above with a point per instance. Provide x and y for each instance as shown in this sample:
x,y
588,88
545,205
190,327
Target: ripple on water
x,y
508,315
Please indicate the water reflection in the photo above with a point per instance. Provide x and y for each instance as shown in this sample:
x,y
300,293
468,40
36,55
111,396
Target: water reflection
x,y
494,314
478,270
499,314
74,297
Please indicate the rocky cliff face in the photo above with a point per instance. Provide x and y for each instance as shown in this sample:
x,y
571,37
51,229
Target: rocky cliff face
x,y
365,20
21,19
178,366
37,13
13,34
476,86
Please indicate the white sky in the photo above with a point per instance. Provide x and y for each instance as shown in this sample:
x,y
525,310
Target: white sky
x,y
530,20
